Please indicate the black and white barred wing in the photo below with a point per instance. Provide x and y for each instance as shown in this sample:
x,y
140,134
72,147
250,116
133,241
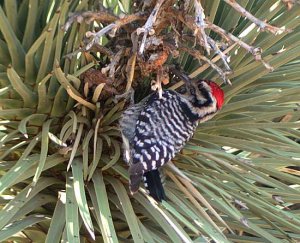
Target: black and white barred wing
x,y
128,123
161,131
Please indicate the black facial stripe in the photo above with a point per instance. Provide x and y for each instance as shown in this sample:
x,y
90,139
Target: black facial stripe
x,y
192,90
200,86
206,96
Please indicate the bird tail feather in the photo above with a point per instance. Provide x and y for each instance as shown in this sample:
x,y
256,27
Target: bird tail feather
x,y
154,185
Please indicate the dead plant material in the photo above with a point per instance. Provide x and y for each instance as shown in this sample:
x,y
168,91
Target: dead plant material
x,y
154,62
255,51
147,29
223,75
200,24
142,43
93,78
88,17
156,54
103,17
261,24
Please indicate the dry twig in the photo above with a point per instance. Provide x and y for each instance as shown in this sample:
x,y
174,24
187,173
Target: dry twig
x,y
217,50
88,17
255,51
95,48
148,27
199,56
130,66
102,17
261,24
114,62
202,68
113,27
190,23
200,23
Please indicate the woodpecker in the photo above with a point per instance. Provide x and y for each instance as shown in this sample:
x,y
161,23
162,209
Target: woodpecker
x,y
158,127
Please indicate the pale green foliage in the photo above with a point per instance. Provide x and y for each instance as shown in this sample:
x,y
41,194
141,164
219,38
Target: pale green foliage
x,y
237,161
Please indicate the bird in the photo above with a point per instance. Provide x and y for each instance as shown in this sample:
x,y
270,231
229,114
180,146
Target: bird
x,y
155,129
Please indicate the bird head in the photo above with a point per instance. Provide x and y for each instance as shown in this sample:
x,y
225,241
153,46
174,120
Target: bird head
x,y
206,93
205,96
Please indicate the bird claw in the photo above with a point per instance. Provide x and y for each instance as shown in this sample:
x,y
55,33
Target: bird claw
x,y
156,86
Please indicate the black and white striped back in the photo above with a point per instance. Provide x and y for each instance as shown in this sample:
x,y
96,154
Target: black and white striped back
x,y
163,127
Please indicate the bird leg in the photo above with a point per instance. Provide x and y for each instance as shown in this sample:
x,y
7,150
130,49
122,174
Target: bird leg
x,y
156,84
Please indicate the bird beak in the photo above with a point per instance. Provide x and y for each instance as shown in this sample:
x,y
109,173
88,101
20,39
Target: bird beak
x,y
178,73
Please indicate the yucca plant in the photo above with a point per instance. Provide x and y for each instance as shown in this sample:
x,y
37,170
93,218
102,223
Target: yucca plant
x,y
63,178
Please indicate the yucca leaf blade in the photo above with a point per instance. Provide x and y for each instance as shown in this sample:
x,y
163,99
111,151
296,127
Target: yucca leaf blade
x,y
58,220
15,48
27,95
102,204
77,169
21,225
72,220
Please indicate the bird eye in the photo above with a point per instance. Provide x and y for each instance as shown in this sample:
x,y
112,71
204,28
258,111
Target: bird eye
x,y
200,85
192,91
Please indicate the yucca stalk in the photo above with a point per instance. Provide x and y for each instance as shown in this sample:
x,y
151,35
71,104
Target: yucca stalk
x,y
59,74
